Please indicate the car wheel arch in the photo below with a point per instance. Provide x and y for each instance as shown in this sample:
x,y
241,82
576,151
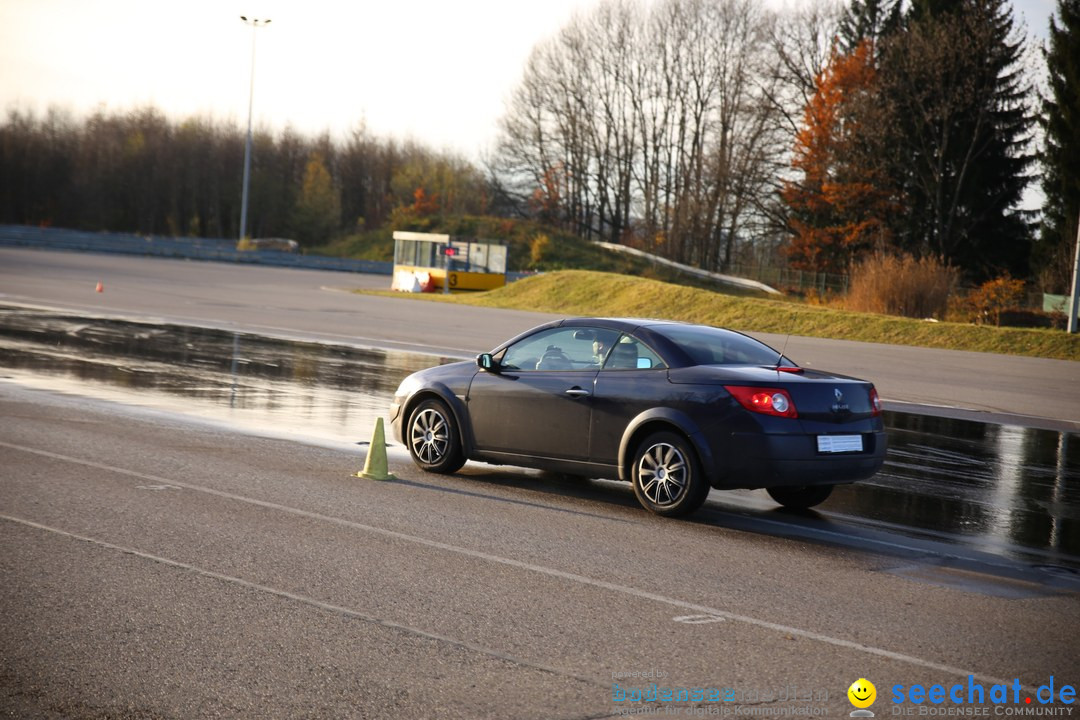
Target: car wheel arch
x,y
455,405
658,420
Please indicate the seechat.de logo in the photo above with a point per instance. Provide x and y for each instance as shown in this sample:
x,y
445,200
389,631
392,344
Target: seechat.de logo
x,y
975,693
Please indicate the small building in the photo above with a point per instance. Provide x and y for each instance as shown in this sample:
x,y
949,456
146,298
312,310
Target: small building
x,y
428,262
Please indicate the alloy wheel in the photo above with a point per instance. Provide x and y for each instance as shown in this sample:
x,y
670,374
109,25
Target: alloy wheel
x,y
663,473
429,436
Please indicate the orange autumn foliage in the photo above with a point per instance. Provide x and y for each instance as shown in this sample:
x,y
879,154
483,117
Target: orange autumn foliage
x,y
840,206
424,204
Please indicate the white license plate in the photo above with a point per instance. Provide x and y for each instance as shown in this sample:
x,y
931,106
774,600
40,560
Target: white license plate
x,y
839,443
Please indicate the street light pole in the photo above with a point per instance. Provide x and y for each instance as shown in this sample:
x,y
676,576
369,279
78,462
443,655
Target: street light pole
x,y
255,24
1074,300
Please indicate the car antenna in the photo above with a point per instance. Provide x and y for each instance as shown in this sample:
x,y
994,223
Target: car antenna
x,y
780,359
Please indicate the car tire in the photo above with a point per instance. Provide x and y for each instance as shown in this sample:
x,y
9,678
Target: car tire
x,y
433,438
667,476
800,497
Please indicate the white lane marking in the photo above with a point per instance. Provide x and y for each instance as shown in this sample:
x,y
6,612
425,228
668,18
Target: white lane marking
x,y
697,619
329,607
543,570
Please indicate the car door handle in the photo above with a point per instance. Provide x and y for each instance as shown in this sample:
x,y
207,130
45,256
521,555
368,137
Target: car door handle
x,y
577,392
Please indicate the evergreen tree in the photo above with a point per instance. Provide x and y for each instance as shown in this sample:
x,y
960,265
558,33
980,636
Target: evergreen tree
x,y
1061,159
867,20
959,135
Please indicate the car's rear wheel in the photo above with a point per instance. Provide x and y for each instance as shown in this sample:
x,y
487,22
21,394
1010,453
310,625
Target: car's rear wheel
x,y
433,438
800,497
667,476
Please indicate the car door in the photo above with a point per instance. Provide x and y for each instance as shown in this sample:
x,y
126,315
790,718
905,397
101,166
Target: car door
x,y
633,379
538,401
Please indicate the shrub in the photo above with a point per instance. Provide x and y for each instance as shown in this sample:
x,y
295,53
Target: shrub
x,y
986,303
901,285
538,249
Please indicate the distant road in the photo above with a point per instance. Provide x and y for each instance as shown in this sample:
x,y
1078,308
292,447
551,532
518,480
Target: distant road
x,y
310,304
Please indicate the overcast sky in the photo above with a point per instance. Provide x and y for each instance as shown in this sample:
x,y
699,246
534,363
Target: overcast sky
x,y
438,71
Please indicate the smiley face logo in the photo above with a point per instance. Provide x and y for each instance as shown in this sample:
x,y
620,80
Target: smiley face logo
x,y
862,693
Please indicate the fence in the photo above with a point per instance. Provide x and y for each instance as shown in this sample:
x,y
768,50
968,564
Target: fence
x,y
799,281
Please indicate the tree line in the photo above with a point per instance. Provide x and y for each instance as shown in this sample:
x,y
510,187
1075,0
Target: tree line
x,y
707,131
918,137
142,172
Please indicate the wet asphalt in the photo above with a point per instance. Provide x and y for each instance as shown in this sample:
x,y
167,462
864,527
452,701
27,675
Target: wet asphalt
x,y
156,568
315,305
158,563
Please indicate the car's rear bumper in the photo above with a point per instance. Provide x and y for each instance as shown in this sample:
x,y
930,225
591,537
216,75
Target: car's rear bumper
x,y
765,460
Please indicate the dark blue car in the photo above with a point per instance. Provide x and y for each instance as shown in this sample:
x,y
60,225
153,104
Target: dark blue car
x,y
672,408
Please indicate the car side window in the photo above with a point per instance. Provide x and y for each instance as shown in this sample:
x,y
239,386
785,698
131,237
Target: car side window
x,y
629,353
564,348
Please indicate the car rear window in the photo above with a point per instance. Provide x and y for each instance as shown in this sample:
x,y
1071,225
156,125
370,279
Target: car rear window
x,y
713,346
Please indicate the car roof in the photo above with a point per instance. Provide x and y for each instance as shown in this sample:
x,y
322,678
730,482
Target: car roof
x,y
626,324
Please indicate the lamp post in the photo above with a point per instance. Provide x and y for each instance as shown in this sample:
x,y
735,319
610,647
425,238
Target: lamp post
x,y
255,24
1074,300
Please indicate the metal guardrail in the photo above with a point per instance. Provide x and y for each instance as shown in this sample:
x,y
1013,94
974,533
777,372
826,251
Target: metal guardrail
x,y
218,250
731,280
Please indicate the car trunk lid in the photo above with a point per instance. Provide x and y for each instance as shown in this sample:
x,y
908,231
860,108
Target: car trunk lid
x,y
818,397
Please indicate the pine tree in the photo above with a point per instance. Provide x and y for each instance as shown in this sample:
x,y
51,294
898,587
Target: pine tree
x,y
959,137
868,20
1061,158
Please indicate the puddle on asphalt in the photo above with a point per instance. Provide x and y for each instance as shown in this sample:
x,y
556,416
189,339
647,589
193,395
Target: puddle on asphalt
x,y
318,391
1000,488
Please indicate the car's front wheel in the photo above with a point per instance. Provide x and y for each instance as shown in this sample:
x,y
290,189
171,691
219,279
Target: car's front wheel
x,y
800,497
667,476
433,438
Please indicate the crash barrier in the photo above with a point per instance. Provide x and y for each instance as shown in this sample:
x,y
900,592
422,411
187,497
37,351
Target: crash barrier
x,y
690,270
220,250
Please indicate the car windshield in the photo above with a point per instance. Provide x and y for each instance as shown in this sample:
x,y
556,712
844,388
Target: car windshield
x,y
713,346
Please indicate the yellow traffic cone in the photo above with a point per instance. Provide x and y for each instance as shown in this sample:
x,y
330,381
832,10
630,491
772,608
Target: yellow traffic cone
x,y
376,466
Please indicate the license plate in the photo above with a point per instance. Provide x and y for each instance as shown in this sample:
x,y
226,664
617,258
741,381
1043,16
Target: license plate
x,y
839,443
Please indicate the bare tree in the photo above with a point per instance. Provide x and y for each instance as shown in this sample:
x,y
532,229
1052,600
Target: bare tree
x,y
649,125
801,39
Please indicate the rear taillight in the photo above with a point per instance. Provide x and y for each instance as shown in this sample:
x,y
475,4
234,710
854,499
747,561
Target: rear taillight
x,y
875,402
767,401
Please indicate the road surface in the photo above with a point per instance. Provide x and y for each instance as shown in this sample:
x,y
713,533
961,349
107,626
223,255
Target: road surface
x,y
154,568
313,304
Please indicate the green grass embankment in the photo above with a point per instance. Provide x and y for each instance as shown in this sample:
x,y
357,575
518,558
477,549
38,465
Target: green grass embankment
x,y
580,292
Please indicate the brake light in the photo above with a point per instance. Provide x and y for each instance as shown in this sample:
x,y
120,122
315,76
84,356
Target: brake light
x,y
787,369
767,401
875,402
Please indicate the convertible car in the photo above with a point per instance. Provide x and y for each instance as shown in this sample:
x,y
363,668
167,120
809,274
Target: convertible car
x,y
672,408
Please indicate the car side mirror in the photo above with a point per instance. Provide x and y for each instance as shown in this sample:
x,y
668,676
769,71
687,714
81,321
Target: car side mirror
x,y
485,361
